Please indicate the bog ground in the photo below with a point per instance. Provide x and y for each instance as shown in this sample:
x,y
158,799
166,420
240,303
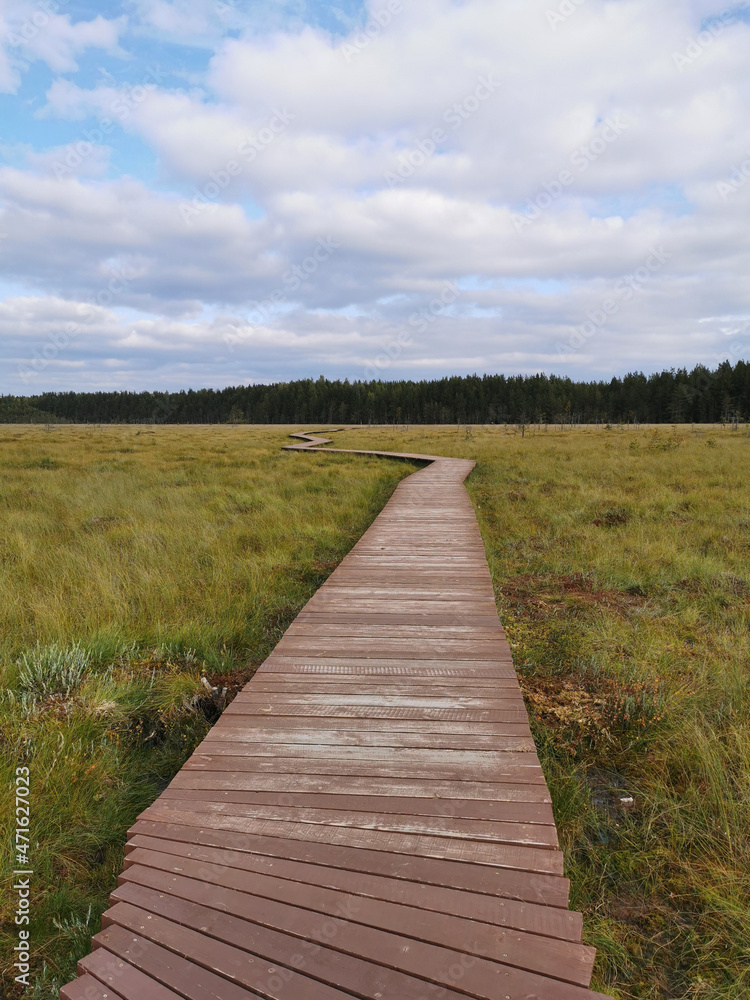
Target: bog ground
x,y
135,561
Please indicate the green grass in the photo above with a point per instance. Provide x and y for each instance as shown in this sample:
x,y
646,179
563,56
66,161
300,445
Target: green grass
x,y
621,562
134,562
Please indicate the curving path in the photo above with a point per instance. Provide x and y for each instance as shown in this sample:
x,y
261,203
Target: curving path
x,y
369,817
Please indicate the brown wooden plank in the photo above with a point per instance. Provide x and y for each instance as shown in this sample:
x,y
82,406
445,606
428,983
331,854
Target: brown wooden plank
x,y
376,666
499,911
496,881
495,831
417,619
525,774
186,960
384,605
412,578
438,649
392,591
88,988
469,665
363,785
354,738
273,902
359,629
539,860
440,694
444,687
466,762
411,968
187,978
492,701
389,727
498,810
112,970
224,943
301,709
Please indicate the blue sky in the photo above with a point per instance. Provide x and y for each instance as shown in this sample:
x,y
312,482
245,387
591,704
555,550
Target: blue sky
x,y
205,192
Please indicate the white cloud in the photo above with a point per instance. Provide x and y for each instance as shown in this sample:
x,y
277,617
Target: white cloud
x,y
202,22
184,19
35,31
8,75
550,97
292,138
76,159
60,41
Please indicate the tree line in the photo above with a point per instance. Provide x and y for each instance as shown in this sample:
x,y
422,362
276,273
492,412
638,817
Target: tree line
x,y
675,396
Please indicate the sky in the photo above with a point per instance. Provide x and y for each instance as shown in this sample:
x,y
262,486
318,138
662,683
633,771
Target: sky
x,y
221,192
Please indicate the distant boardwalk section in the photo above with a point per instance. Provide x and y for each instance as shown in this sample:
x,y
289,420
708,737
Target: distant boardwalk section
x,y
369,817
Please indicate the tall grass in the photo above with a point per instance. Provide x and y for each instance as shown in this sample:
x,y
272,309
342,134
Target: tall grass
x,y
133,563
182,535
621,562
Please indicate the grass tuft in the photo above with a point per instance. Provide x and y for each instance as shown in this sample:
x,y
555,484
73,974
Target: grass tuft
x,y
50,672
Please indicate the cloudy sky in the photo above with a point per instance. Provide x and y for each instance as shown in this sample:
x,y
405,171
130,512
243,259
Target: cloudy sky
x,y
212,192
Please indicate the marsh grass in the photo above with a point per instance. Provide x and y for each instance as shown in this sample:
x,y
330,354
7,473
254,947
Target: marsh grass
x,y
621,563
49,671
133,563
620,560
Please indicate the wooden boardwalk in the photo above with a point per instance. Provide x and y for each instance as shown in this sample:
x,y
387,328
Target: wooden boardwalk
x,y
369,817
